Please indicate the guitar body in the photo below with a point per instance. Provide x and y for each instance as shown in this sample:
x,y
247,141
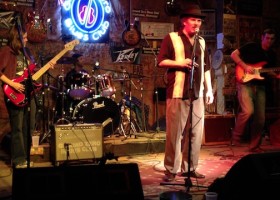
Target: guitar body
x,y
243,77
131,37
17,98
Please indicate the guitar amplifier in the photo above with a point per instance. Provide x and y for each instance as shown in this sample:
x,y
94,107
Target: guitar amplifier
x,y
217,129
76,142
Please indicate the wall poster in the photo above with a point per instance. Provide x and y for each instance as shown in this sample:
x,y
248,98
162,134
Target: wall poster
x,y
208,28
155,30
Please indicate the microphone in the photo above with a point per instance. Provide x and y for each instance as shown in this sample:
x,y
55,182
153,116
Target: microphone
x,y
196,31
66,145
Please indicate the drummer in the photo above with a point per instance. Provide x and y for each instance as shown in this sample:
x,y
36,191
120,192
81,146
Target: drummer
x,y
75,81
76,69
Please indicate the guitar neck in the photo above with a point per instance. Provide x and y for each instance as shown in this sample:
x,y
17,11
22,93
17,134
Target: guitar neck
x,y
40,72
269,69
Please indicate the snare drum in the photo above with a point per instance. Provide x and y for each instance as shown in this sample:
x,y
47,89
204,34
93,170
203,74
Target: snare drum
x,y
106,85
98,110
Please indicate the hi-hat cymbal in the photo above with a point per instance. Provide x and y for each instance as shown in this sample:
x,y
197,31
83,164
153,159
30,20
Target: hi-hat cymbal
x,y
65,60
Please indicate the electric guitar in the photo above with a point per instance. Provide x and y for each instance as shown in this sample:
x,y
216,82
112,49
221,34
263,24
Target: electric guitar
x,y
131,35
243,77
19,99
37,31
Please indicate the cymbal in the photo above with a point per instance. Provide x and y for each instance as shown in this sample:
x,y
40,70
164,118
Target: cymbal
x,y
137,76
121,79
65,60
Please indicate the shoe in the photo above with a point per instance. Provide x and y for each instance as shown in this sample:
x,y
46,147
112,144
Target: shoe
x,y
24,165
168,177
257,150
193,174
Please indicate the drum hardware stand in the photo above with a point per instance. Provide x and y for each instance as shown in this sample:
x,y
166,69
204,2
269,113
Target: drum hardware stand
x,y
126,121
131,125
46,126
143,107
94,82
62,93
46,83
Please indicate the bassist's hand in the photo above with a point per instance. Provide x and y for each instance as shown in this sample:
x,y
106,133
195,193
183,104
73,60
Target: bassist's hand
x,y
18,87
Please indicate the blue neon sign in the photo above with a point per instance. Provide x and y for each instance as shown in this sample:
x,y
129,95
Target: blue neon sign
x,y
86,20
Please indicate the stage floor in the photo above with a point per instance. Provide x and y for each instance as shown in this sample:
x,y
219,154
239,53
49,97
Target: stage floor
x,y
147,151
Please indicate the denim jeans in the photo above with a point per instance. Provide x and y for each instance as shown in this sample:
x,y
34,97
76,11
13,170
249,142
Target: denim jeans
x,y
252,110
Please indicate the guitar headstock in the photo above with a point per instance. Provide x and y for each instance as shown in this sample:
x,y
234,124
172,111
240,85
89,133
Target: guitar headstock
x,y
72,44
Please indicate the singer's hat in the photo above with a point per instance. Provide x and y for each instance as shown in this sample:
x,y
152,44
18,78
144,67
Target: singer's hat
x,y
192,10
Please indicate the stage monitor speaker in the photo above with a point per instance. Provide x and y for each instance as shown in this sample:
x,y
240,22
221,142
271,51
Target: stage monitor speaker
x,y
255,176
110,181
76,142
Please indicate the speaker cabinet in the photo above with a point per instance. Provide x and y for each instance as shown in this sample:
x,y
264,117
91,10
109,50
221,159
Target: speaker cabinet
x,y
76,142
255,176
217,129
110,181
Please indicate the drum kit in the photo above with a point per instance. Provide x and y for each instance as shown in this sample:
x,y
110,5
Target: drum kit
x,y
85,98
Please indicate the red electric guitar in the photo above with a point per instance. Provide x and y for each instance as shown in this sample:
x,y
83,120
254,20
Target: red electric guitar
x,y
20,99
243,77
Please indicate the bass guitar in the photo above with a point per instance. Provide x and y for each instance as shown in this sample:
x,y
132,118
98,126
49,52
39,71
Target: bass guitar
x,y
20,99
244,77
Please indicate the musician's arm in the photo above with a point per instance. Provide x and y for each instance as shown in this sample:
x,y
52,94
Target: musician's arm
x,y
235,55
17,86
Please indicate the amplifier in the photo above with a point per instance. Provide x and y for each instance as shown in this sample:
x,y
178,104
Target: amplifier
x,y
217,129
77,142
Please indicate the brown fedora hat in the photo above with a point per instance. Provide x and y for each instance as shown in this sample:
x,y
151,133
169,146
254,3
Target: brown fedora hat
x,y
192,10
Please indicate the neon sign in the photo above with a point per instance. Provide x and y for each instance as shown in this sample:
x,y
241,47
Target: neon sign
x,y
86,20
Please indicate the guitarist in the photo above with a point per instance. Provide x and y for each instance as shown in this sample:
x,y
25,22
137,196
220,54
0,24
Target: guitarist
x,y
252,94
12,63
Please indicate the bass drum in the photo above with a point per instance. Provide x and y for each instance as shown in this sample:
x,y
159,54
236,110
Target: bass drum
x,y
98,110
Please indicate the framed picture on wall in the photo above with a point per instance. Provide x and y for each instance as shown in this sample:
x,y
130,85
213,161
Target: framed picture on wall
x,y
155,30
208,28
249,29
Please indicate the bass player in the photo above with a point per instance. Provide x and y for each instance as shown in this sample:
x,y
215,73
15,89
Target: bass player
x,y
15,58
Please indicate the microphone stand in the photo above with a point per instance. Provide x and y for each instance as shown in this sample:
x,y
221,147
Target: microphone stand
x,y
29,88
188,182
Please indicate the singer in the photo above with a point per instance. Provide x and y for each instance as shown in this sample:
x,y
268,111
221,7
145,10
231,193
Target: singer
x,y
178,54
